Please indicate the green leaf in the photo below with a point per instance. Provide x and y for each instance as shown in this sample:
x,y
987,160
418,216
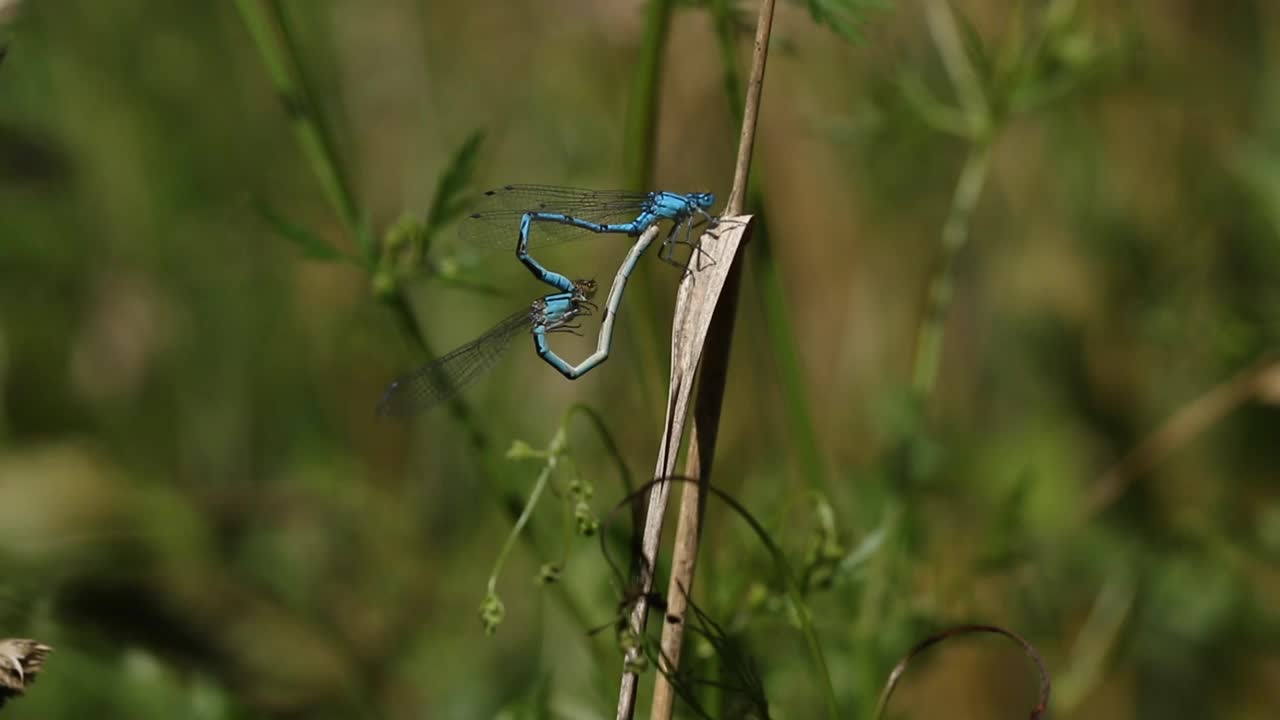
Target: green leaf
x,y
521,450
928,108
450,199
976,49
844,17
312,245
866,550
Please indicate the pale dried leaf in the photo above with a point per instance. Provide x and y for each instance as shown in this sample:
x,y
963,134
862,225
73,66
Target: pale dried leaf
x,y
696,301
20,661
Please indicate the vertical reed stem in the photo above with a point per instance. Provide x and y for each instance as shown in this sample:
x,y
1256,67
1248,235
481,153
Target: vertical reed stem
x,y
639,152
710,395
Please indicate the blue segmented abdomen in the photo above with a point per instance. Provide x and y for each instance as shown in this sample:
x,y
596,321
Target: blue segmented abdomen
x,y
495,222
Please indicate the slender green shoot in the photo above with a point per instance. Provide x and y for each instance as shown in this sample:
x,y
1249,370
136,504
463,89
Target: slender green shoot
x,y
606,439
955,235
639,150
273,35
768,277
492,610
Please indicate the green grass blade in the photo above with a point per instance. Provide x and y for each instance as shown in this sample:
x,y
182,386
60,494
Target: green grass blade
x,y
768,278
312,246
639,150
450,199
271,33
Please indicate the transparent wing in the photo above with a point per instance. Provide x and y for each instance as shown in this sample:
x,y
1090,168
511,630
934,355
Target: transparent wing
x,y
443,378
553,198
495,222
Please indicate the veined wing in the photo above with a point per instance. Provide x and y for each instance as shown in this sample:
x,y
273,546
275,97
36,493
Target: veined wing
x,y
495,222
553,198
444,377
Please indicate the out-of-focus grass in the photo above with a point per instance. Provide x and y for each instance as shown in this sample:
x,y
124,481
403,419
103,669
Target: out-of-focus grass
x,y
199,510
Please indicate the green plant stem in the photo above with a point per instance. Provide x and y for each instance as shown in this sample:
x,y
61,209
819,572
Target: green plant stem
x,y
795,593
557,447
881,572
639,151
777,323
768,278
553,460
955,235
642,121
964,76
269,29
273,36
606,439
967,84
726,43
710,394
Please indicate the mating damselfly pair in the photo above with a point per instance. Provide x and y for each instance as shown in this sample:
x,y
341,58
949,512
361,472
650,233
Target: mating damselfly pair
x,y
506,218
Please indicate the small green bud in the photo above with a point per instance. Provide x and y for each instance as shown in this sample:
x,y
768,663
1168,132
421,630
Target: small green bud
x,y
492,612
549,573
383,284
586,519
521,450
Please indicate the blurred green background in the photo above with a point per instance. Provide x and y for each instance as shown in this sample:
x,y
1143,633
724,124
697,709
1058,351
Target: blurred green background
x,y
201,512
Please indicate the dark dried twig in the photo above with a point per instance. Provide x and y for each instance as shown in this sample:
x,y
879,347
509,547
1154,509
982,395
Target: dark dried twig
x,y
1042,703
1260,382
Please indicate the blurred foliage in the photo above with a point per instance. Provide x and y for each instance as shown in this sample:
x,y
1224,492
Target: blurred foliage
x,y
206,280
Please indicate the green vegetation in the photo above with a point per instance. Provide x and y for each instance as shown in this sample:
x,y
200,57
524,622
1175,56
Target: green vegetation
x,y
1007,354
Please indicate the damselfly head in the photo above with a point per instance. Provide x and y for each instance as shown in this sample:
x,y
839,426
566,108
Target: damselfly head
x,y
703,200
